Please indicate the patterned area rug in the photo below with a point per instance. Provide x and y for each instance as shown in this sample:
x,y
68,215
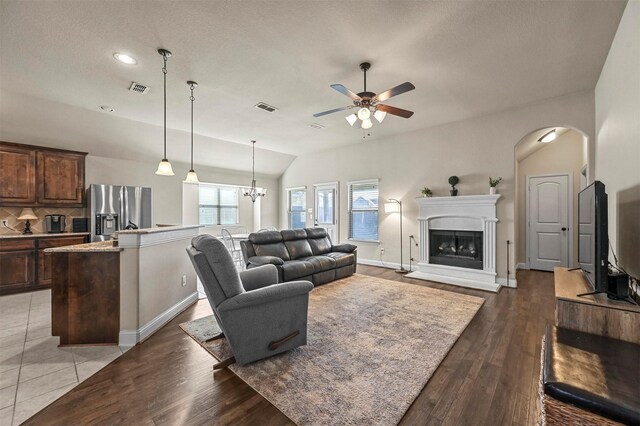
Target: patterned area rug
x,y
372,345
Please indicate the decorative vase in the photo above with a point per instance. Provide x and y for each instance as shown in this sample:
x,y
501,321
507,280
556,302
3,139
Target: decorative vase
x,y
492,190
454,192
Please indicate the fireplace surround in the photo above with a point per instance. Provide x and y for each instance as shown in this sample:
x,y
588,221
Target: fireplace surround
x,y
458,240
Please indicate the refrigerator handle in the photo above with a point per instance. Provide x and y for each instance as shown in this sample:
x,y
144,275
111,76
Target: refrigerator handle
x,y
123,208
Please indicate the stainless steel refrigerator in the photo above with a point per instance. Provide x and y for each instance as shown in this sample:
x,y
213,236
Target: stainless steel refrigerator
x,y
116,208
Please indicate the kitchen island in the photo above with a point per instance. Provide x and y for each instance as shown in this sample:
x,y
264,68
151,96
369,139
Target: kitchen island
x,y
106,294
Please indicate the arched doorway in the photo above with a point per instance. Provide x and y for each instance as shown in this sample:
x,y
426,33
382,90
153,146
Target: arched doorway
x,y
552,165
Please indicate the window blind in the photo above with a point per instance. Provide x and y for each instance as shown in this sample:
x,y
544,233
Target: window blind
x,y
297,205
218,205
363,210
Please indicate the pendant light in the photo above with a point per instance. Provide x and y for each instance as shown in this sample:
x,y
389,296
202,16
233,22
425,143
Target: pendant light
x,y
192,177
254,192
164,168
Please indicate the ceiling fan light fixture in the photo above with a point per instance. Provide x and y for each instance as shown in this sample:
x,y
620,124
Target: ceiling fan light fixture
x,y
364,114
367,124
351,119
380,115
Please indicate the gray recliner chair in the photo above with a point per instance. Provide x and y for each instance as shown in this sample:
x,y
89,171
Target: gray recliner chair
x,y
258,316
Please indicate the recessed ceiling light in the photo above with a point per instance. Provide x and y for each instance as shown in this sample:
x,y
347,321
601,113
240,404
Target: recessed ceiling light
x,y
124,58
548,137
106,108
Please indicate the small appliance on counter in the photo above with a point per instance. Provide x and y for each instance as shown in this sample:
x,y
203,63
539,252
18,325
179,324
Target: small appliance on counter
x,y
54,223
80,224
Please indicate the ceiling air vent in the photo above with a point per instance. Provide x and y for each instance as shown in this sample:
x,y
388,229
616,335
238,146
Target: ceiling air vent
x,y
266,107
139,88
316,126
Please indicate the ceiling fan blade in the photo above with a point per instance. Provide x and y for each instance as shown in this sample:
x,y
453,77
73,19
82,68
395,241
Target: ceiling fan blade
x,y
395,91
340,88
331,111
395,111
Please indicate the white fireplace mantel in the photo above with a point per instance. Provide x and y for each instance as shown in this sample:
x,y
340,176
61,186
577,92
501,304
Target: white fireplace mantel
x,y
463,213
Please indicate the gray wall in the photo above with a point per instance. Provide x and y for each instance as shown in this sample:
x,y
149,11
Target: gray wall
x,y
618,132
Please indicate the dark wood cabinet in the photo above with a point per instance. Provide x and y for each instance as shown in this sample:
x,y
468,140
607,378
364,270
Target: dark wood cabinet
x,y
17,270
17,176
60,178
24,266
32,176
44,259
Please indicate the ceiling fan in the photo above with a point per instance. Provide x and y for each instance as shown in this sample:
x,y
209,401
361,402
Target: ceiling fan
x,y
369,103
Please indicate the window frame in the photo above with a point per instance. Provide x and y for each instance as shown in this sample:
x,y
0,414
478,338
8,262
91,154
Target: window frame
x,y
220,206
350,209
291,212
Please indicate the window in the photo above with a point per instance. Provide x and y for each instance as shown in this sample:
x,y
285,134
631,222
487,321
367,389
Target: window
x,y
363,210
297,204
218,205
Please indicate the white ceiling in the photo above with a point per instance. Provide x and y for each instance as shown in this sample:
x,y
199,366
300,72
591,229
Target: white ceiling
x,y
465,58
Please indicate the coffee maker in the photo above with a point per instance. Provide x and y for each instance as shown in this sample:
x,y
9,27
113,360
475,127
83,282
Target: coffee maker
x,y
54,223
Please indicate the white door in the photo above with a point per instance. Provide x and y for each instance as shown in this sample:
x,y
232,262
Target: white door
x,y
326,209
548,202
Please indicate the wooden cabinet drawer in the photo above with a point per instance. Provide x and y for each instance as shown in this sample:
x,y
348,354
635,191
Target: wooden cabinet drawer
x,y
16,270
9,244
60,241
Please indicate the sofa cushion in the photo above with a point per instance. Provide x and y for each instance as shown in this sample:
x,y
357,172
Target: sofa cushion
x,y
274,249
321,263
342,259
266,237
293,234
316,232
298,249
293,269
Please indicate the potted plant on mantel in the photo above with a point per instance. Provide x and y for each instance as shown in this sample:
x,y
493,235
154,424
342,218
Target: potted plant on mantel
x,y
426,192
453,181
492,184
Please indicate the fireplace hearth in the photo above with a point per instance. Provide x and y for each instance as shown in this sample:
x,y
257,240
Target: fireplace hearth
x,y
456,248
458,241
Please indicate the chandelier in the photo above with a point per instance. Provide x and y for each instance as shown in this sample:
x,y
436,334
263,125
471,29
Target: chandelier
x,y
254,192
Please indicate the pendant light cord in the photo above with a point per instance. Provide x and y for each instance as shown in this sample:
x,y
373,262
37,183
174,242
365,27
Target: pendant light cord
x,y
164,72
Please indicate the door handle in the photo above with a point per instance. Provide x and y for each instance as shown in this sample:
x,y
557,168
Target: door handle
x,y
564,229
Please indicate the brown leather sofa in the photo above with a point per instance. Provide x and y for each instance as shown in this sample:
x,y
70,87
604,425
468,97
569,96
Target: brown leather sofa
x,y
300,254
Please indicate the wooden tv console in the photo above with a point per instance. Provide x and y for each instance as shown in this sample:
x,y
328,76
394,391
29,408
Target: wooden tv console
x,y
595,314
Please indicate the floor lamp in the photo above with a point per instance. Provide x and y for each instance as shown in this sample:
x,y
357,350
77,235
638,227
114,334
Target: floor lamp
x,y
395,206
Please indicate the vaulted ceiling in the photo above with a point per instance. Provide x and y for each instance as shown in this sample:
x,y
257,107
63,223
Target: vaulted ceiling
x,y
465,58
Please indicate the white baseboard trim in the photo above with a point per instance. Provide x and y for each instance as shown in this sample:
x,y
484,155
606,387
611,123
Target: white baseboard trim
x,y
380,263
513,283
522,265
478,285
130,338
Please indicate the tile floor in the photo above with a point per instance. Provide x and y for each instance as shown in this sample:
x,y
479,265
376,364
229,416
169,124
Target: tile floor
x,y
34,371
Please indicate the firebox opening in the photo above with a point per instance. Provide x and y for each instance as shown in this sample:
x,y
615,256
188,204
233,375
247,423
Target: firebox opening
x,y
456,248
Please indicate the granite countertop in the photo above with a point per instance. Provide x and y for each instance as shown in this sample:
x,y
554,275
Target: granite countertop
x,y
159,229
43,235
97,247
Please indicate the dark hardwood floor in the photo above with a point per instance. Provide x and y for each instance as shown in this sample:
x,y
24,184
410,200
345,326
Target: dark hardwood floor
x,y
489,376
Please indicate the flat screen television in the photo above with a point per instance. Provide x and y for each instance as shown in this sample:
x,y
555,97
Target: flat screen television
x,y
593,237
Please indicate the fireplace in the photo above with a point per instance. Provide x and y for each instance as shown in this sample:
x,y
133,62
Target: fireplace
x,y
458,241
456,248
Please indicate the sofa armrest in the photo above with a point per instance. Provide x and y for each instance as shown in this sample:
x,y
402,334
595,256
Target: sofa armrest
x,y
265,260
259,276
344,248
266,295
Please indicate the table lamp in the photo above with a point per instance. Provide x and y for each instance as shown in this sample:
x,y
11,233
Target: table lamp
x,y
27,214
